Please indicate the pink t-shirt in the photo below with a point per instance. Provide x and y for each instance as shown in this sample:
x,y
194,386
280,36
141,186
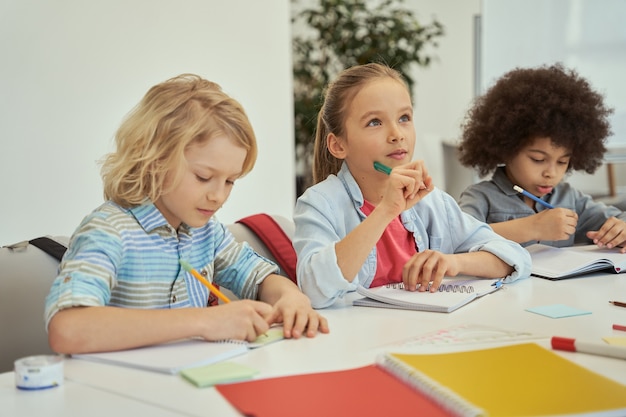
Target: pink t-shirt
x,y
394,248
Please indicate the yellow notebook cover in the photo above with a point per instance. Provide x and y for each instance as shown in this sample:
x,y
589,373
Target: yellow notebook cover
x,y
516,380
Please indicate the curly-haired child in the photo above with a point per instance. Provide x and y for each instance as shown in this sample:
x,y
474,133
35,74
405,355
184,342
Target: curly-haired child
x,y
530,129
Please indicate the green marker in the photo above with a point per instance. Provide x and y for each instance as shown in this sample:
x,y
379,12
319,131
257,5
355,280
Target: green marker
x,y
382,168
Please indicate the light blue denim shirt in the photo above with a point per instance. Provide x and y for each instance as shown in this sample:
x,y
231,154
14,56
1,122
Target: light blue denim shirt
x,y
328,211
495,201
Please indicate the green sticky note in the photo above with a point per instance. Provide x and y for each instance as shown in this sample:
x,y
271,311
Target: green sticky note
x,y
274,334
218,373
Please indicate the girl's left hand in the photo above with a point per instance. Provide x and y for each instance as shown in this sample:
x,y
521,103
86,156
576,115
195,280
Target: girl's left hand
x,y
427,269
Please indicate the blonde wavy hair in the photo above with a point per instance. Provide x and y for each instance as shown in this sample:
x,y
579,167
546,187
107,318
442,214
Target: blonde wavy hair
x,y
152,139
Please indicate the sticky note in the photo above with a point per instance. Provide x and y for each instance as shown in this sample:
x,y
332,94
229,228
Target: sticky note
x,y
557,311
218,373
274,334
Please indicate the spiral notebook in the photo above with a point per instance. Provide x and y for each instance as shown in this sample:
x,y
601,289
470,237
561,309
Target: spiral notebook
x,y
516,380
171,358
454,293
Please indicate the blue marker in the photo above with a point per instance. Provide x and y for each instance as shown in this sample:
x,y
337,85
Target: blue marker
x,y
529,195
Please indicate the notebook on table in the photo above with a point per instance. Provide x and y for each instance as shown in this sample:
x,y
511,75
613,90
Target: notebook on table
x,y
171,358
453,293
516,380
561,263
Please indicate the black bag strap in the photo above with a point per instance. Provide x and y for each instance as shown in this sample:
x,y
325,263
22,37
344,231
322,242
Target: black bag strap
x,y
50,246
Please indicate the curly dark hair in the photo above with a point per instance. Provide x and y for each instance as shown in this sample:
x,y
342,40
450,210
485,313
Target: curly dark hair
x,y
529,103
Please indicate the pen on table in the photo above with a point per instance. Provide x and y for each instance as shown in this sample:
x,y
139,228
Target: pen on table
x,y
382,168
618,303
529,195
619,327
573,345
187,267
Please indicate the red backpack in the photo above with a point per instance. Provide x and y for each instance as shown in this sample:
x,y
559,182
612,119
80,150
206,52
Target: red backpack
x,y
276,240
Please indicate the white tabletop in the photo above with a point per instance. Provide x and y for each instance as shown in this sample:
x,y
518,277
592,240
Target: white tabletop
x,y
69,400
357,335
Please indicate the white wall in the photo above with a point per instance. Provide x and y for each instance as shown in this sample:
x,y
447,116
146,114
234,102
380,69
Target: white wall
x,y
445,89
587,35
72,69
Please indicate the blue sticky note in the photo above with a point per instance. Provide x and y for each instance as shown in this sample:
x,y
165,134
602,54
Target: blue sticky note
x,y
557,311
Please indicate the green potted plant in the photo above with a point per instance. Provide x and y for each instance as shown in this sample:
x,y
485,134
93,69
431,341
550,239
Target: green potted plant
x,y
337,34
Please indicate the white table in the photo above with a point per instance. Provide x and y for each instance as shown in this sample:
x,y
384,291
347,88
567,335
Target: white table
x,y
71,399
357,335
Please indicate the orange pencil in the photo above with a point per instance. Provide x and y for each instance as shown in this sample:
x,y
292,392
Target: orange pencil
x,y
187,267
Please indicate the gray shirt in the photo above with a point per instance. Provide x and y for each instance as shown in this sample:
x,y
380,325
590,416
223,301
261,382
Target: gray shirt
x,y
495,201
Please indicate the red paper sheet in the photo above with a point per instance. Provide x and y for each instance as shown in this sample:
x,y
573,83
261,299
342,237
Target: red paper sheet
x,y
365,391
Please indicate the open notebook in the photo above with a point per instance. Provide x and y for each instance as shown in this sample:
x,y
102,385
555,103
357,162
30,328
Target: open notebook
x,y
453,293
560,263
171,358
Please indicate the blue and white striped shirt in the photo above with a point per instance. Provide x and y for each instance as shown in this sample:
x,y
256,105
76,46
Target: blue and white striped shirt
x,y
130,258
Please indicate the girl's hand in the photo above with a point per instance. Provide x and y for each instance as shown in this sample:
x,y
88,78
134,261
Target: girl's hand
x,y
407,185
294,311
554,224
611,234
428,268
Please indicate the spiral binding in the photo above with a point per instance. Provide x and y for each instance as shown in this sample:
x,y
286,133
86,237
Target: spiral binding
x,y
233,341
429,387
462,288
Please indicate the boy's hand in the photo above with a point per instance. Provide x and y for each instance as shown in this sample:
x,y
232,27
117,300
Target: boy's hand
x,y
612,234
240,320
555,224
297,316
